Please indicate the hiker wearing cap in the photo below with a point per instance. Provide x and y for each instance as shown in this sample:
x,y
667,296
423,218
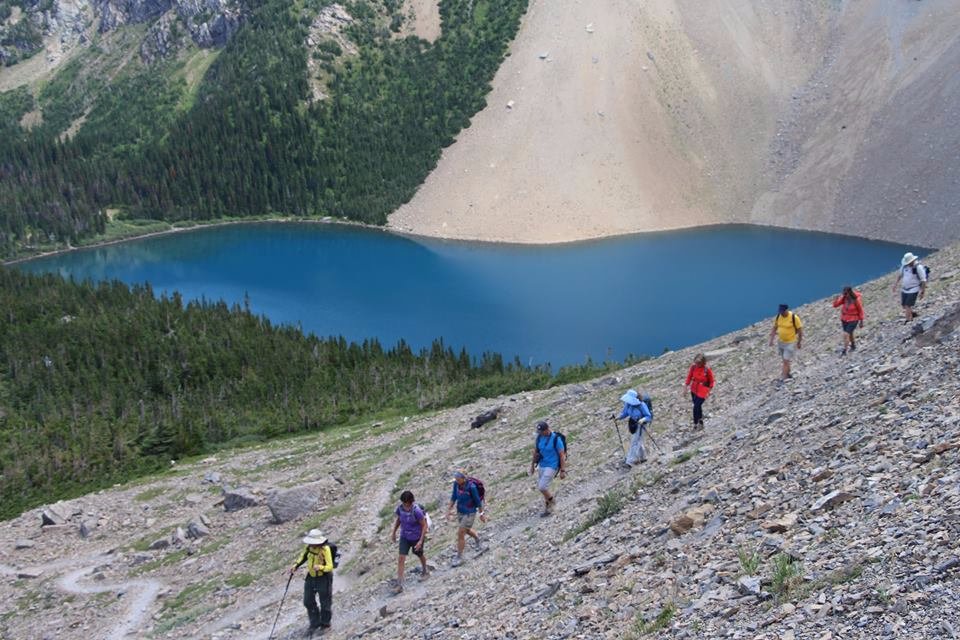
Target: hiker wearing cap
x,y
699,382
550,454
788,328
466,498
412,523
851,315
638,415
912,280
318,583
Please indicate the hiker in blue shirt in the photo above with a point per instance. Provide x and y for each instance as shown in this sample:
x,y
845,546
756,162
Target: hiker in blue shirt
x,y
550,454
638,416
466,497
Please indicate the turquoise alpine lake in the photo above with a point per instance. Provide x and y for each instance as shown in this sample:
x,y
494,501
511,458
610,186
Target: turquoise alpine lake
x,y
554,304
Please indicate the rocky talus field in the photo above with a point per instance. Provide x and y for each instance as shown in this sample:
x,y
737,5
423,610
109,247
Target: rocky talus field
x,y
828,507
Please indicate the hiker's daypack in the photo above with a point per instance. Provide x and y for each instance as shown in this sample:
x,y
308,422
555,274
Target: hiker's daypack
x,y
426,516
334,554
793,317
556,447
926,270
480,489
649,402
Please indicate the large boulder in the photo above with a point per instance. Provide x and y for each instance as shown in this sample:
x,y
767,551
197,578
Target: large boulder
x,y
236,499
289,504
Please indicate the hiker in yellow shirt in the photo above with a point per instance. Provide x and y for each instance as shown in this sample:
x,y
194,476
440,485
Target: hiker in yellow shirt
x,y
788,329
318,583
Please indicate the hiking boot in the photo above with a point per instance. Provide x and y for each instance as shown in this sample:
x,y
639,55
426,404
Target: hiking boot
x,y
456,562
853,346
478,543
551,503
398,588
843,352
424,576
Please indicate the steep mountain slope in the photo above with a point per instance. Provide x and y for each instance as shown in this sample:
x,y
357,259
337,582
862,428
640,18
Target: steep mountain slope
x,y
827,507
619,117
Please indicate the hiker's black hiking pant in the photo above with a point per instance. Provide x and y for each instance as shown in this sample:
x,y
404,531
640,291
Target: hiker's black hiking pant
x,y
697,408
319,587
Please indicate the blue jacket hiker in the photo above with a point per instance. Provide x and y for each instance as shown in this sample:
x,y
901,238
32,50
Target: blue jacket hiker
x,y
637,414
466,497
550,454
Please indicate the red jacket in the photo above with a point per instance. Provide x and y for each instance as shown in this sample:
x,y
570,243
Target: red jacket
x,y
850,311
700,380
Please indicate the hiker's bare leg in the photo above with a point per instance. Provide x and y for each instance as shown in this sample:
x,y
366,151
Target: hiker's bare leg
x,y
785,370
461,540
472,534
401,560
423,564
546,496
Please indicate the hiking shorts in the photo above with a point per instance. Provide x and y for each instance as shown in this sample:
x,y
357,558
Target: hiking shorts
x,y
787,350
908,299
406,546
848,327
466,520
547,474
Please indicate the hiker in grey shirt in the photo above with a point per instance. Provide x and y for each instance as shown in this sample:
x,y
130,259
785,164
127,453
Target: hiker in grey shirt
x,y
912,280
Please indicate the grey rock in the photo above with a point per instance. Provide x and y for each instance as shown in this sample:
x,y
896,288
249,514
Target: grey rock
x,y
236,499
288,504
53,515
774,416
157,545
213,477
86,528
29,574
832,499
749,585
24,544
948,564
540,595
197,530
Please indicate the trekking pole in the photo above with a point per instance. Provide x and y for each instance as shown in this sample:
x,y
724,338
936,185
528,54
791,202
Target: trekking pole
x,y
650,435
617,425
281,606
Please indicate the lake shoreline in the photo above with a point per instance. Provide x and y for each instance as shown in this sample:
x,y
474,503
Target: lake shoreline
x,y
408,233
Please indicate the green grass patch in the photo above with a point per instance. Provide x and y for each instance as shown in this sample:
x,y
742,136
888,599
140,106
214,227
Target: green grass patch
x,y
608,504
149,494
685,456
786,576
240,580
663,619
749,561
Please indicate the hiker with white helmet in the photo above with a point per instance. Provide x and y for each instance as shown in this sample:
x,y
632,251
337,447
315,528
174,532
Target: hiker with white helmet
x,y
912,280
638,416
318,583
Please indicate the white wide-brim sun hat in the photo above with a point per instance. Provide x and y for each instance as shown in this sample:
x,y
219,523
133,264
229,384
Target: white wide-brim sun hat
x,y
314,536
630,397
907,259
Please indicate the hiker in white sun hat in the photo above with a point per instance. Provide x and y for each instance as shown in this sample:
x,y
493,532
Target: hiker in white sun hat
x,y
318,555
912,281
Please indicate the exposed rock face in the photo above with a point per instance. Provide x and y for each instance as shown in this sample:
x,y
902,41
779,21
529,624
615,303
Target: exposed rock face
x,y
236,499
292,503
62,24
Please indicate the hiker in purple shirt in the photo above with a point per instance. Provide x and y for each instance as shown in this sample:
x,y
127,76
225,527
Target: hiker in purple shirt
x,y
413,525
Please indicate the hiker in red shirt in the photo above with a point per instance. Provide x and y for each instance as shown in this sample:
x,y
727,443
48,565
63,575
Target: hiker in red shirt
x,y
851,314
700,381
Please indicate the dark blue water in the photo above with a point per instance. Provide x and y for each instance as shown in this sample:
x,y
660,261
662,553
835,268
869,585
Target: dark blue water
x,y
546,304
